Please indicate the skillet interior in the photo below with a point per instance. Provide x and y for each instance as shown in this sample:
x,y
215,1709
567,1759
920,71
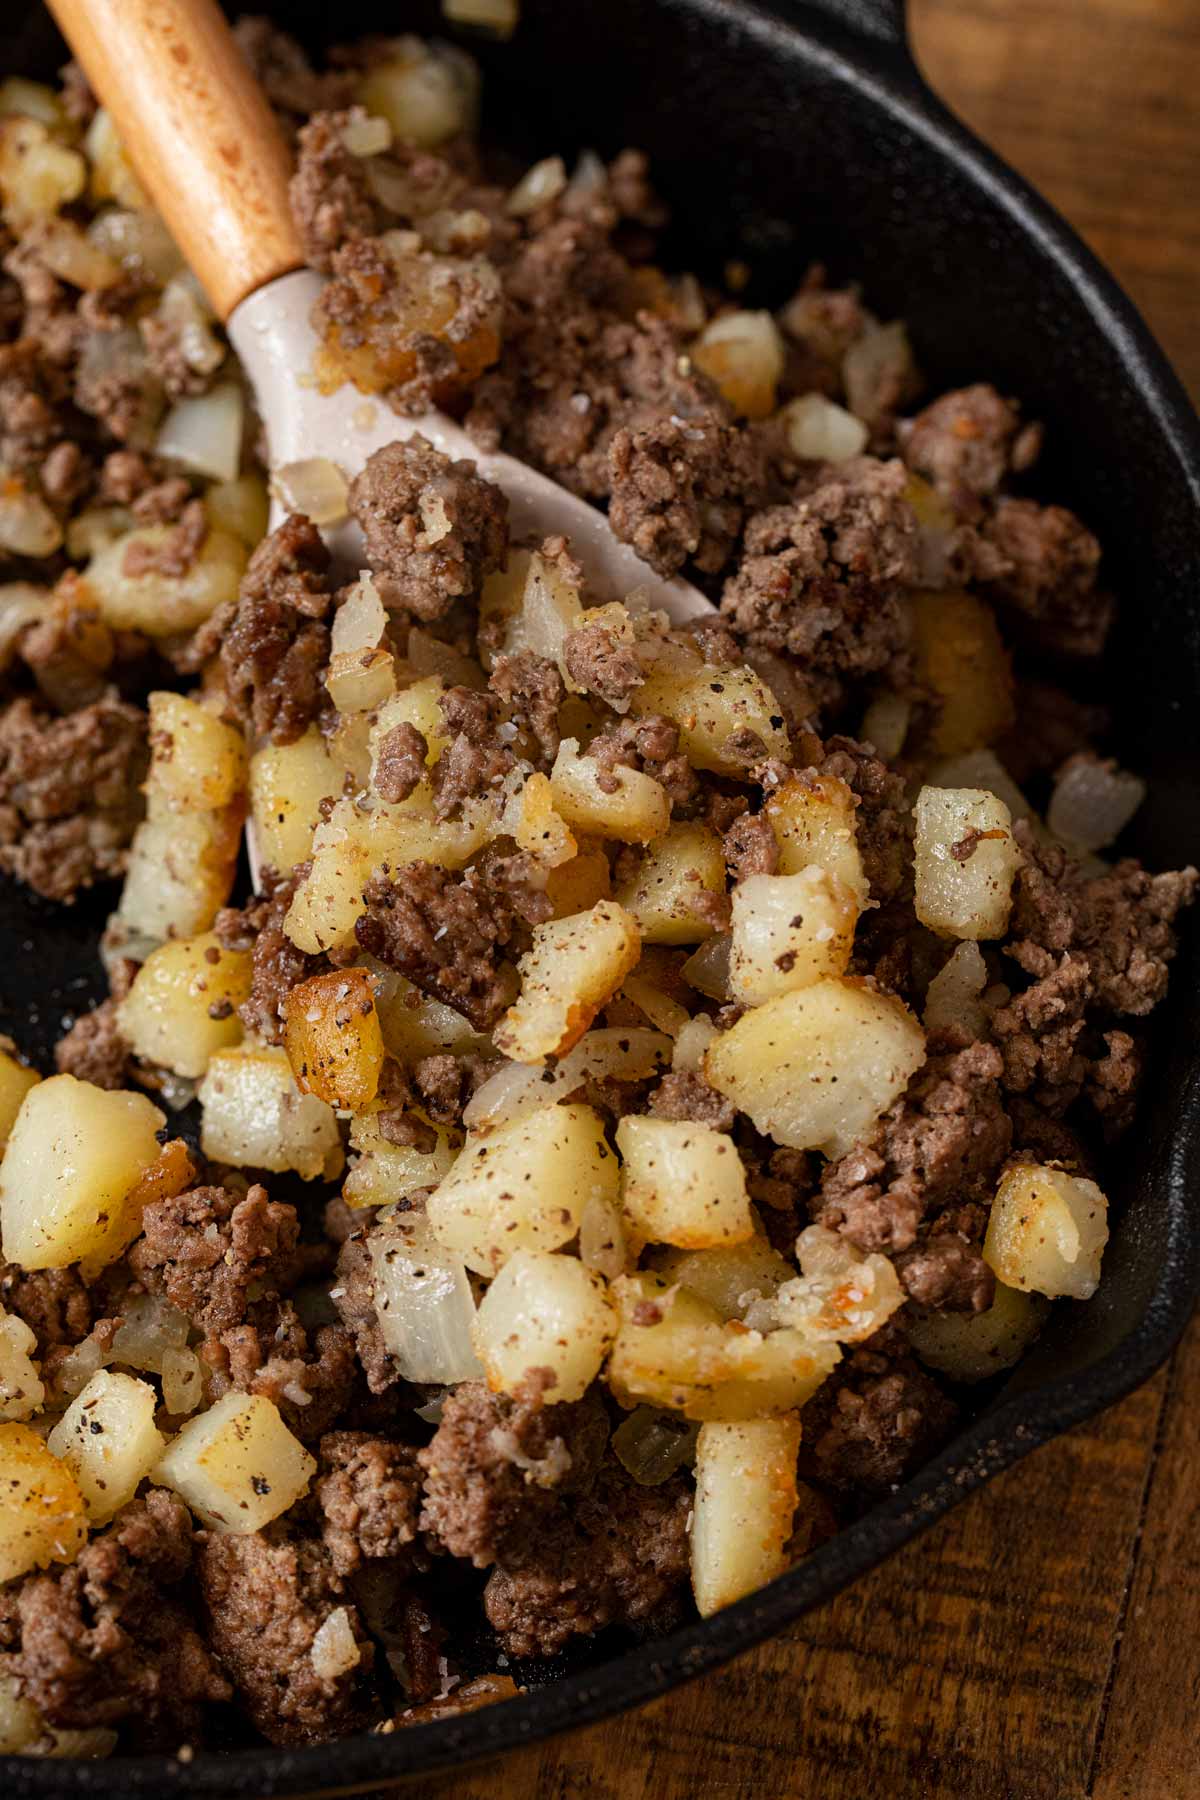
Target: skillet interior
x,y
780,132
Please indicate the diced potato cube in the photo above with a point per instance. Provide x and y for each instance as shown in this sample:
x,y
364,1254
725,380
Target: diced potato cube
x,y
535,825
1047,1231
74,1156
636,810
418,705
37,174
733,1278
182,1006
159,604
180,874
675,1351
576,885
965,861
361,680
255,1116
746,1497
789,931
386,1172
198,763
544,1312
21,1389
287,785
524,1186
423,1301
814,1069
21,1724
682,1183
237,1465
15,1082
329,901
108,1439
332,1037
961,658
744,354
723,715
972,1346
813,821
574,967
842,1294
671,895
42,1519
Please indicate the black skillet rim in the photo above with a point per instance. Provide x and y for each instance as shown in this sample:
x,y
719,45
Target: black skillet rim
x,y
866,52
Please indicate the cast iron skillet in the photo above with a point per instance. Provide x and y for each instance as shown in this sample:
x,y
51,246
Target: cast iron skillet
x,y
782,131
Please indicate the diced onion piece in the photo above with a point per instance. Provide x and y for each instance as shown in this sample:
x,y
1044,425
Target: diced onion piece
x,y
139,241
255,1116
541,184
693,1041
182,1384
682,1183
651,1445
22,603
108,1439
814,1069
954,998
602,1244
965,862
76,257
982,769
112,174
744,354
204,433
818,430
972,1346
21,1389
878,364
842,1293
27,525
361,682
707,969
736,1279
663,1013
544,1312
335,1648
624,1053
1047,1231
314,485
885,724
574,967
426,92
1092,803
43,1518
524,1186
746,1496
789,931
423,1301
675,1351
75,1154
240,507
34,100
237,1465
150,1327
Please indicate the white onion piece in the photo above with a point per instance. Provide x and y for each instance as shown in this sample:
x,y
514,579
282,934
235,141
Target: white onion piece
x,y
626,1053
1092,802
182,1386
139,241
663,1013
602,1238
982,769
205,433
954,998
79,1365
27,526
427,655
423,1301
544,182
880,360
71,255
149,1328
885,724
692,1042
360,620
818,430
707,969
651,1445
334,1647
22,603
366,135
314,486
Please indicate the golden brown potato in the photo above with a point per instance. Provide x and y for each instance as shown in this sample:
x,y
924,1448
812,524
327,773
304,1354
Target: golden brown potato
x,y
679,885
575,966
961,658
813,818
333,1039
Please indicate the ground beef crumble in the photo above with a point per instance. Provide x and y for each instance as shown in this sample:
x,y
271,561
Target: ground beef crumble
x,y
433,528
276,647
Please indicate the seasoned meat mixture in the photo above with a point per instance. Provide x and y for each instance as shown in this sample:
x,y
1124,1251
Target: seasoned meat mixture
x,y
654,1074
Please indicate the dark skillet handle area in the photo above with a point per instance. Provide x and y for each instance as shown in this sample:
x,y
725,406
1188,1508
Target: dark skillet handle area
x,y
783,133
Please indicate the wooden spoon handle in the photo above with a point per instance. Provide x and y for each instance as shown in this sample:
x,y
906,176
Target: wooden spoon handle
x,y
199,132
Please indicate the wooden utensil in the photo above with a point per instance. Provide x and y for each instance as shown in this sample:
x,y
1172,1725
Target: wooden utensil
x,y
210,154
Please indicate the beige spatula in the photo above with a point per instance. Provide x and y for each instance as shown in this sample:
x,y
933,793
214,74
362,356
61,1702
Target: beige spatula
x,y
210,154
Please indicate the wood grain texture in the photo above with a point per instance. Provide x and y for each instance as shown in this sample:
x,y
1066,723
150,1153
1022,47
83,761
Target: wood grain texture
x,y
198,131
1043,1643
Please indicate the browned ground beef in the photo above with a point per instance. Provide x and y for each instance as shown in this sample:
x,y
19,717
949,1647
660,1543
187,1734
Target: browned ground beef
x,y
433,528
276,647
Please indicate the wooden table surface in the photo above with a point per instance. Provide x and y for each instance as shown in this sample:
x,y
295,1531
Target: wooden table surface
x,y
1042,1643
